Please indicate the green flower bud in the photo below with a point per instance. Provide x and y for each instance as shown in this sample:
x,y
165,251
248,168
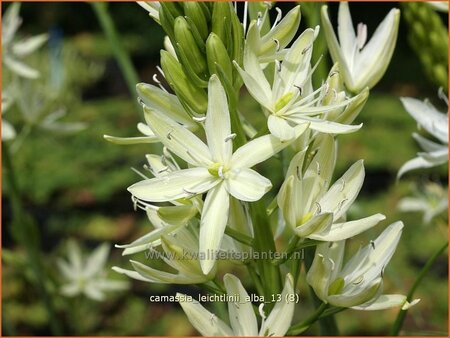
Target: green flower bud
x,y
216,54
220,20
193,98
283,33
187,49
194,11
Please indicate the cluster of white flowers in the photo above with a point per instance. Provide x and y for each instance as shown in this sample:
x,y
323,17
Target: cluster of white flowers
x,y
205,172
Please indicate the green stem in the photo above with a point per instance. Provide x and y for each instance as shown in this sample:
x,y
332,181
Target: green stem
x,y
122,57
238,236
303,326
264,244
25,231
292,248
402,314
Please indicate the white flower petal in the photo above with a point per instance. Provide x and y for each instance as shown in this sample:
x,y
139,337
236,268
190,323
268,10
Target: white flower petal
x,y
372,62
212,225
279,320
330,127
130,140
280,128
340,231
174,185
96,260
217,124
346,32
178,139
242,318
131,274
21,68
333,46
168,104
433,121
157,276
29,45
415,163
344,191
261,148
247,185
257,85
383,302
204,321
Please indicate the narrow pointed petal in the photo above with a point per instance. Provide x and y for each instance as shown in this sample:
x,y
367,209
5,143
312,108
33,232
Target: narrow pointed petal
x,y
178,139
346,32
383,302
340,231
261,148
204,321
258,87
131,140
322,271
217,124
29,45
212,225
335,49
330,127
242,318
279,320
415,163
426,144
375,57
166,103
384,248
131,274
174,185
287,201
426,115
295,67
280,128
157,276
21,68
319,223
247,185
97,260
344,191
358,296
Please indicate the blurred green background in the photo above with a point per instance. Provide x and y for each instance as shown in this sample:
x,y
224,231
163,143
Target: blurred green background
x,y
76,184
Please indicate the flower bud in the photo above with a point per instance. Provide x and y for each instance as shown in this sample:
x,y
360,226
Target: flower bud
x,y
190,53
194,11
216,55
193,98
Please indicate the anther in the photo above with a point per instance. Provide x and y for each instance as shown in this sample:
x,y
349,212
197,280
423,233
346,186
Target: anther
x,y
300,90
318,168
319,208
169,134
278,65
199,119
155,79
188,192
358,280
341,203
342,185
277,42
332,263
298,173
372,243
230,137
258,20
163,170
220,172
306,49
